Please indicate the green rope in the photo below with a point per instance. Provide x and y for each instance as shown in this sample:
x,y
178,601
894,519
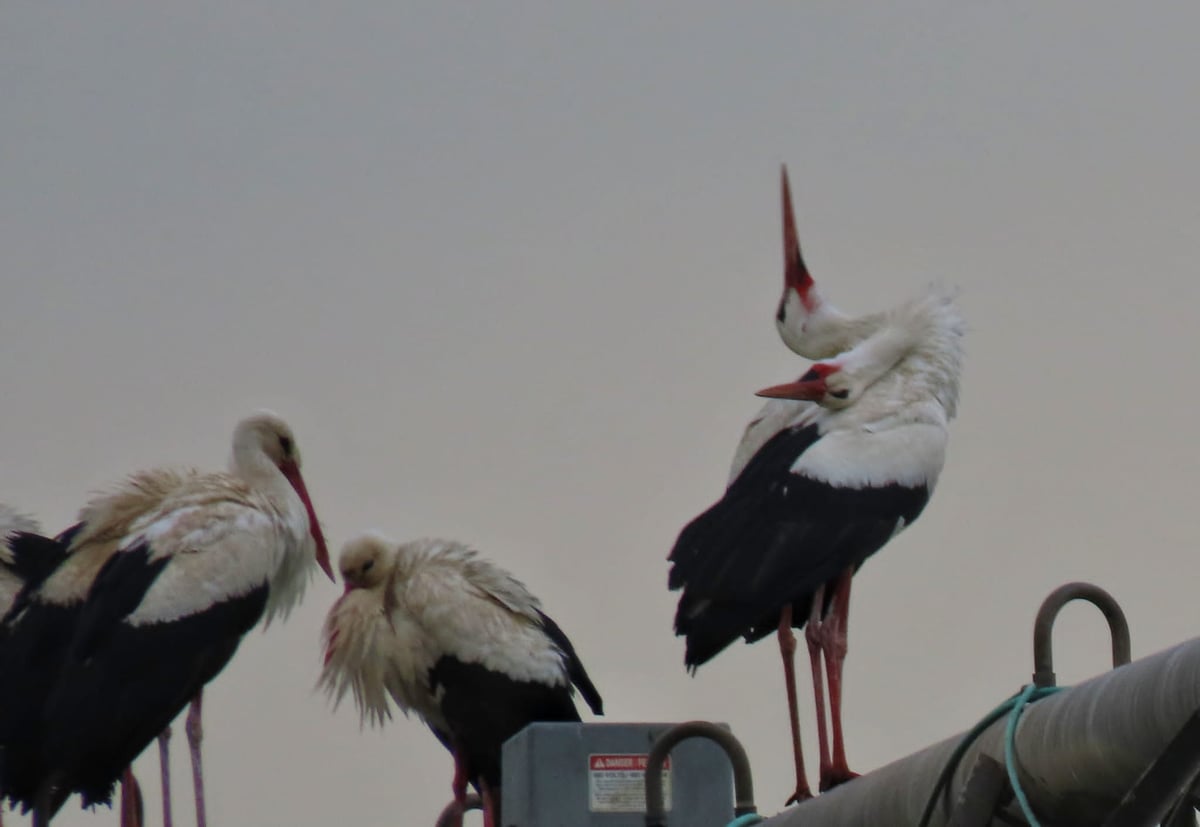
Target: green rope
x,y
1028,695
1012,707
746,820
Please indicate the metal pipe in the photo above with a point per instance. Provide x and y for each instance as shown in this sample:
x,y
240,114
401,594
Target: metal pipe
x,y
1079,751
1151,799
1043,627
743,782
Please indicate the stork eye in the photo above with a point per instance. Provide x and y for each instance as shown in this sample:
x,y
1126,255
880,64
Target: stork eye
x,y
285,443
839,394
367,566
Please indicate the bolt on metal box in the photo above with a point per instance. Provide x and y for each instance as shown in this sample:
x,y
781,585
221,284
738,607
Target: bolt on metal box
x,y
593,775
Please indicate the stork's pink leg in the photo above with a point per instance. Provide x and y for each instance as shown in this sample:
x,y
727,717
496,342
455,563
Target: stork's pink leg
x,y
131,800
195,734
164,762
835,646
812,636
458,787
787,649
490,817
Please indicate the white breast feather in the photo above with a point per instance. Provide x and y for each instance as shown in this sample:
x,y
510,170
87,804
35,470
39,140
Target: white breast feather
x,y
216,553
775,416
478,613
12,521
372,656
911,454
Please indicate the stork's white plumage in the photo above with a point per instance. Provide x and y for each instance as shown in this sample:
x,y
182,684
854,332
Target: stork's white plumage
x,y
455,639
164,576
831,468
15,563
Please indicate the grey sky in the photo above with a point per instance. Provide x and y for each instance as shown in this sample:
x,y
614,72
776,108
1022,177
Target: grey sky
x,y
509,270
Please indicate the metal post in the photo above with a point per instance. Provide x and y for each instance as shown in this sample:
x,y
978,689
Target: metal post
x,y
1079,751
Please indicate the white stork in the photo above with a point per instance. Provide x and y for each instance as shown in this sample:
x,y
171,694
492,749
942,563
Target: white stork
x,y
831,468
163,577
457,640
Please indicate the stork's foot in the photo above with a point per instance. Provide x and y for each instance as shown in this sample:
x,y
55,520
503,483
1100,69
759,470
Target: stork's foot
x,y
802,793
834,776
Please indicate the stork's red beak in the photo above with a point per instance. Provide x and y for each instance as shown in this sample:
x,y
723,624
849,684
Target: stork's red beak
x,y
292,472
795,273
808,390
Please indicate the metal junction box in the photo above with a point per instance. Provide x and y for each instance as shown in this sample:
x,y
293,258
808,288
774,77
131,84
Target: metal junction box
x,y
593,775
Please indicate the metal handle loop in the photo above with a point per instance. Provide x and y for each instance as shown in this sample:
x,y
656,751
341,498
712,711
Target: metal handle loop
x,y
743,783
1043,627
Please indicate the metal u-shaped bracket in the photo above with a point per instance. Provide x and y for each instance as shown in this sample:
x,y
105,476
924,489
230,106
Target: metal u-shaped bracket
x,y
743,783
1043,627
453,815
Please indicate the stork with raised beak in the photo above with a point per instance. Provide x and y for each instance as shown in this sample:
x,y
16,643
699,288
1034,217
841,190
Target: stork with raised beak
x,y
833,466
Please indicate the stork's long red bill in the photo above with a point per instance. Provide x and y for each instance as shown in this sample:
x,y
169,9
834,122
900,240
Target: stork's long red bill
x,y
808,388
795,273
807,391
292,472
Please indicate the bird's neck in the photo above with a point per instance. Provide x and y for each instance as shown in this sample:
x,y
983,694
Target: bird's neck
x,y
295,549
259,472
824,331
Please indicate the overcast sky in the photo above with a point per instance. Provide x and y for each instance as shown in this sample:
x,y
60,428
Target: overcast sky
x,y
510,272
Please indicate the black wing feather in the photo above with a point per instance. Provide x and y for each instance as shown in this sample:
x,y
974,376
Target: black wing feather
x,y
772,541
120,684
575,671
485,708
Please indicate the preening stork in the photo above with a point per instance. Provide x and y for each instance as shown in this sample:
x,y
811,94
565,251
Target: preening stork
x,y
455,639
162,579
833,466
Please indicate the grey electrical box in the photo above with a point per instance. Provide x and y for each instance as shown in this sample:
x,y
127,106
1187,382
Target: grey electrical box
x,y
593,775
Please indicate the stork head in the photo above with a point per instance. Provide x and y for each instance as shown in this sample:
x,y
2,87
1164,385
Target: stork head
x,y
799,291
841,381
365,561
799,316
264,437
825,383
808,325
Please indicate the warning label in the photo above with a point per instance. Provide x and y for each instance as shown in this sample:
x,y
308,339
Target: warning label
x,y
617,783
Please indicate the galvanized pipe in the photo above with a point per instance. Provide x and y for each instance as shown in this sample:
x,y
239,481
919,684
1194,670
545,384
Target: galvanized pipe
x,y
743,781
1078,751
